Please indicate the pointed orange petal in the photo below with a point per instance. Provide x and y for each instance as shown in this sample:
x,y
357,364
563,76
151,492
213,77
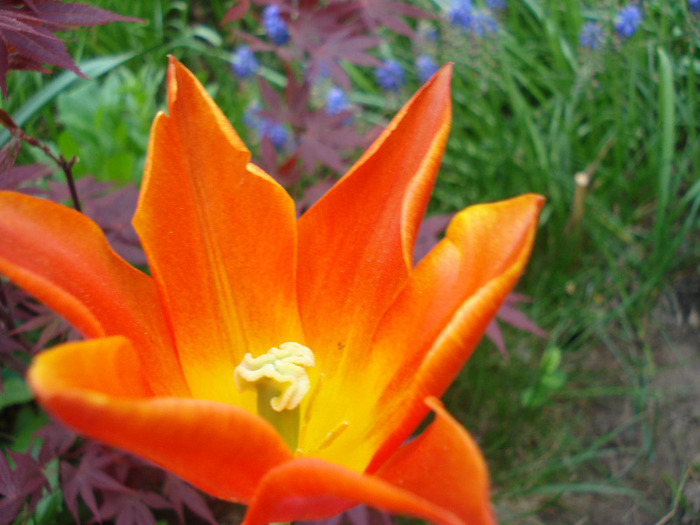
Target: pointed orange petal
x,y
355,244
427,334
442,314
444,466
98,388
62,257
220,237
312,489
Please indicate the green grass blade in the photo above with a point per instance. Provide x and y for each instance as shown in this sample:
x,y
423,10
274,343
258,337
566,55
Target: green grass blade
x,y
666,125
91,68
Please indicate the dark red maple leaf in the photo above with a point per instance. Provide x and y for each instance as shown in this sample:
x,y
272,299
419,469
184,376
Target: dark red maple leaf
x,y
325,58
236,12
181,495
15,177
508,313
27,30
57,440
359,515
20,485
320,139
87,479
8,154
388,13
132,507
314,21
325,139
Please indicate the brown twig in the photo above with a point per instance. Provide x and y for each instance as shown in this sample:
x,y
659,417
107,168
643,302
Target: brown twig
x,y
582,183
66,166
5,311
63,163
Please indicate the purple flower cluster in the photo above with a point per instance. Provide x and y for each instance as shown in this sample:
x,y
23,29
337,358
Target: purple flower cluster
x,y
480,22
336,101
496,5
275,26
483,23
243,62
694,6
266,127
426,67
390,76
275,131
628,20
460,13
591,36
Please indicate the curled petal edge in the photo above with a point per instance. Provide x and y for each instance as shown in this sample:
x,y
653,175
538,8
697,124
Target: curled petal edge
x,y
97,388
312,489
63,258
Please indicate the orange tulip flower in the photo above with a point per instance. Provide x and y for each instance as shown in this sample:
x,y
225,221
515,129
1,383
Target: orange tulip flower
x,y
277,362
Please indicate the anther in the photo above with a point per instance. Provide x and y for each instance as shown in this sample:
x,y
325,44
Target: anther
x,y
282,370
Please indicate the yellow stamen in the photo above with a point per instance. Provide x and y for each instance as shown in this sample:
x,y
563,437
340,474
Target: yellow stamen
x,y
283,367
333,435
280,380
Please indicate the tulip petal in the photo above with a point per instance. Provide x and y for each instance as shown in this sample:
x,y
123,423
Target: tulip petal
x,y
63,258
312,489
430,331
444,466
442,314
98,388
220,237
440,476
355,243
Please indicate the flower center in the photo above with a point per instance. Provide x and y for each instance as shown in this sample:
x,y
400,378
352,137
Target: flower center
x,y
280,380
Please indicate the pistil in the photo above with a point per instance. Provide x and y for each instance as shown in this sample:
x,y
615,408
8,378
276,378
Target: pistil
x,y
279,377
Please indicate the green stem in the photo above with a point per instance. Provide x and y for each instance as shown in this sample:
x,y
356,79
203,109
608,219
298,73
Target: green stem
x,y
285,422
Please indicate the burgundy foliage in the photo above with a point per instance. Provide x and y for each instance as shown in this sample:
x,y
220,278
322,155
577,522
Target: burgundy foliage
x,y
116,486
27,30
19,484
320,138
359,515
323,36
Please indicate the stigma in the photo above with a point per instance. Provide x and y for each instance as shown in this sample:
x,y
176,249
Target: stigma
x,y
280,370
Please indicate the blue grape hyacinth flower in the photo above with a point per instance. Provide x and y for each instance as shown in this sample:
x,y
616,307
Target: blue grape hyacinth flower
x,y
483,23
265,127
426,67
275,131
275,26
591,36
336,101
628,20
460,13
694,6
243,62
496,5
390,76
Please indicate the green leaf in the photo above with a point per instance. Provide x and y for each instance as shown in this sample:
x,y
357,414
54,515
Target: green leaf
x,y
91,68
16,390
28,421
49,507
